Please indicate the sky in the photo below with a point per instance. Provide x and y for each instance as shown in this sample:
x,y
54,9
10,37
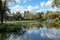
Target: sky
x,y
32,6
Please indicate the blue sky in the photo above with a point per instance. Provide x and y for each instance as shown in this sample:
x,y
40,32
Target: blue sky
x,y
32,6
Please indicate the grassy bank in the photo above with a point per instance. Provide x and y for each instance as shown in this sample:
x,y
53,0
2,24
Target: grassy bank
x,y
9,27
21,21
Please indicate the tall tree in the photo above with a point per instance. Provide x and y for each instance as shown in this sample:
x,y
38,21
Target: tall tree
x,y
3,9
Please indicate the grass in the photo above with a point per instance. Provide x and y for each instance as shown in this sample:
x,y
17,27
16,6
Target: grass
x,y
20,21
9,27
25,20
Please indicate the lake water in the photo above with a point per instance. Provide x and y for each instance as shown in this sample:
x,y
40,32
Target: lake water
x,y
34,31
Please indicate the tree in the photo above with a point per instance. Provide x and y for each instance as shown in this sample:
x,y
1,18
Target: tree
x,y
28,15
56,3
3,9
58,13
47,14
18,16
38,15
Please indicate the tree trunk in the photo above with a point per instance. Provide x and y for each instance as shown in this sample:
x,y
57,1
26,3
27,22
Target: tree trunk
x,y
1,14
2,18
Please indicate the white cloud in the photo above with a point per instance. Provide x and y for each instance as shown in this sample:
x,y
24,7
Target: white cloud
x,y
21,9
48,3
17,8
33,9
42,10
10,2
29,7
53,9
47,6
24,1
15,0
42,4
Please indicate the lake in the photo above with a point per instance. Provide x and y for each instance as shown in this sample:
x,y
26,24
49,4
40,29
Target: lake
x,y
34,31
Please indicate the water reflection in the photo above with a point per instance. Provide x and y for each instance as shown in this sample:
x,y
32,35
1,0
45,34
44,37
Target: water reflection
x,y
42,34
52,25
7,35
34,32
35,24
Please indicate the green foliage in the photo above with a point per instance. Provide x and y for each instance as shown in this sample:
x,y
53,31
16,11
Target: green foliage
x,y
31,16
56,3
16,16
53,16
9,27
38,15
28,15
48,13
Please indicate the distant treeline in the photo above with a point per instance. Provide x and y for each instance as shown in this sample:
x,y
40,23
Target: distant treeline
x,y
48,16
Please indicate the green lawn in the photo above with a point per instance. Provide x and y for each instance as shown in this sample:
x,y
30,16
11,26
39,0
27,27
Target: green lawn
x,y
21,21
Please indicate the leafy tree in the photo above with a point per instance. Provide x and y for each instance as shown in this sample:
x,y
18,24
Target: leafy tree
x,y
18,16
38,15
58,13
28,15
56,3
